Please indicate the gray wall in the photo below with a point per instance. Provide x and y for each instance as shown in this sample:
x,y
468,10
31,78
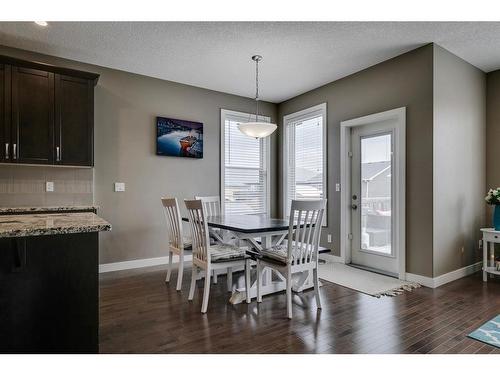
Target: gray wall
x,y
492,134
402,81
459,161
125,109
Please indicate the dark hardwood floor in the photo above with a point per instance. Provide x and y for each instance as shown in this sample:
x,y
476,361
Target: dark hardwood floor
x,y
139,313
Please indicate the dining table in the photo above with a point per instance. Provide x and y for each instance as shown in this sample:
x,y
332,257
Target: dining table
x,y
258,232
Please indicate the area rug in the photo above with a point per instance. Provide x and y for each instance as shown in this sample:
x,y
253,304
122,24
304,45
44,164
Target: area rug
x,y
488,333
370,283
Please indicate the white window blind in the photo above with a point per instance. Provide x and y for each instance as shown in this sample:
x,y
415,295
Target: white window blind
x,y
304,156
245,167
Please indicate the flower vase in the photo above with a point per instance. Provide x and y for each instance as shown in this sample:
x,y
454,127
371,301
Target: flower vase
x,y
496,217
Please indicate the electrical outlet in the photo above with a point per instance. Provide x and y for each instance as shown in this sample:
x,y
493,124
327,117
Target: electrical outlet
x,y
329,238
119,186
337,187
49,186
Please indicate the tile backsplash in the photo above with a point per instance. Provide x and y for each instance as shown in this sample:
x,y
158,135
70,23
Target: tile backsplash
x,y
25,186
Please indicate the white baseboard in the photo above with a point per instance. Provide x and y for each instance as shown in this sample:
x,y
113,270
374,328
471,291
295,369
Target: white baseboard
x,y
138,263
457,274
446,278
422,280
329,258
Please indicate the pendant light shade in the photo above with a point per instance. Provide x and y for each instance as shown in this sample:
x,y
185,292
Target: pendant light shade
x,y
257,129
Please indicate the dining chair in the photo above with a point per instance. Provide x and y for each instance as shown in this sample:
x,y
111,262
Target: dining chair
x,y
211,204
177,242
207,258
212,207
300,253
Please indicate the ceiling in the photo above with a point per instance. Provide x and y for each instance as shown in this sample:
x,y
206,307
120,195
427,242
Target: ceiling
x,y
298,56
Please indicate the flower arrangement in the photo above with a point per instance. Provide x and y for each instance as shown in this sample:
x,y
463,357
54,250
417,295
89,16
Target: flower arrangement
x,y
493,196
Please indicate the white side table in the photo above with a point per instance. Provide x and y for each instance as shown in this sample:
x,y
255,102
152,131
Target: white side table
x,y
492,236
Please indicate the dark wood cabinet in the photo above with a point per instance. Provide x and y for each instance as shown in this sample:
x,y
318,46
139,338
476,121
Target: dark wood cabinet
x,y
49,294
74,100
5,112
46,114
32,116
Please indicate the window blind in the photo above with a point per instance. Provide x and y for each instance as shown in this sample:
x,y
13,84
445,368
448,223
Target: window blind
x,y
245,186
305,174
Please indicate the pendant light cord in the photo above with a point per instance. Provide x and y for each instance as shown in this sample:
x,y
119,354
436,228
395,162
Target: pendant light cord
x,y
257,89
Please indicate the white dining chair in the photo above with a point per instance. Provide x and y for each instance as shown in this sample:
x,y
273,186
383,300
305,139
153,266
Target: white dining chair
x,y
207,258
177,242
211,204
300,253
212,207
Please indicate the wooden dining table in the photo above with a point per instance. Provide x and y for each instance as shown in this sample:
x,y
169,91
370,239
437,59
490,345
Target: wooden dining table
x,y
259,232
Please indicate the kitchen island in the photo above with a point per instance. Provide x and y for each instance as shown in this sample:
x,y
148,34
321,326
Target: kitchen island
x,y
49,286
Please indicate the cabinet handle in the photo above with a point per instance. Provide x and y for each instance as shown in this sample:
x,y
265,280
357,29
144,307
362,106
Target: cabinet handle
x,y
14,151
7,151
58,154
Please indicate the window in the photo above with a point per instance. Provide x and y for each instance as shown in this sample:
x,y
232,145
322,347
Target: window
x,y
244,167
304,156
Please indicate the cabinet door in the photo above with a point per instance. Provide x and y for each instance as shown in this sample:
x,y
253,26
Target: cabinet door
x,y
74,121
32,116
5,144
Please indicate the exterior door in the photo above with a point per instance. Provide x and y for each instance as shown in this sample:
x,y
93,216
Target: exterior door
x,y
32,116
372,192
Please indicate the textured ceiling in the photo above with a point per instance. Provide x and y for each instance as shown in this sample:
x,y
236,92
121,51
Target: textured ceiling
x,y
297,56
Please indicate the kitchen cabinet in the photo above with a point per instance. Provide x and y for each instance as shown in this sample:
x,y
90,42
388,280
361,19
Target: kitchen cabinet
x,y
47,114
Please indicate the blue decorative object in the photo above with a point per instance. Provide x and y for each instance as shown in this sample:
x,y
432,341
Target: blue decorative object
x,y
489,332
496,217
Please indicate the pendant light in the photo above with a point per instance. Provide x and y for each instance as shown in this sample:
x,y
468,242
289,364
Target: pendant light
x,y
257,129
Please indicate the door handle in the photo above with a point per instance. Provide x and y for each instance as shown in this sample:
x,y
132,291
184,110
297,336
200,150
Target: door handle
x,y
58,154
354,206
7,151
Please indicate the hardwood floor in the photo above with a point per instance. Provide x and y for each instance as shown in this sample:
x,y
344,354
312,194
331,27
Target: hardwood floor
x,y
139,313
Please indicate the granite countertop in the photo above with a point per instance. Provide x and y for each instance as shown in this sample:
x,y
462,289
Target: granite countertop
x,y
45,224
27,209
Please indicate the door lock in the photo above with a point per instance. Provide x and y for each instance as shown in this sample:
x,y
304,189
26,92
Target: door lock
x,y
354,206
354,197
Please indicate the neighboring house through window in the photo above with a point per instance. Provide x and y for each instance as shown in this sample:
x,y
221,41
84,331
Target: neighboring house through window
x,y
304,156
245,165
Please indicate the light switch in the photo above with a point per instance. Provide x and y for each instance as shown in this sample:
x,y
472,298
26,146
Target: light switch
x,y
329,238
119,186
49,186
337,187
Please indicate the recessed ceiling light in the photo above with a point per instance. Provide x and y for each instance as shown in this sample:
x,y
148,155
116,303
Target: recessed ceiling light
x,y
41,23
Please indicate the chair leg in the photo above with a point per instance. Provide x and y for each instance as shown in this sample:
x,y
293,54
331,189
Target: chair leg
x,y
229,279
248,268
169,270
259,282
206,292
289,294
180,271
194,273
316,288
214,276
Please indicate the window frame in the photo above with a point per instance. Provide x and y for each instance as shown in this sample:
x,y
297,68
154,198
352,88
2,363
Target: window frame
x,y
224,113
306,113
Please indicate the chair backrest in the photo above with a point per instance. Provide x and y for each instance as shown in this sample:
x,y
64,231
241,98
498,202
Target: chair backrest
x,y
199,230
211,204
303,241
174,223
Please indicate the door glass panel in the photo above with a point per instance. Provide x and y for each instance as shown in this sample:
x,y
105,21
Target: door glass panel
x,y
376,194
